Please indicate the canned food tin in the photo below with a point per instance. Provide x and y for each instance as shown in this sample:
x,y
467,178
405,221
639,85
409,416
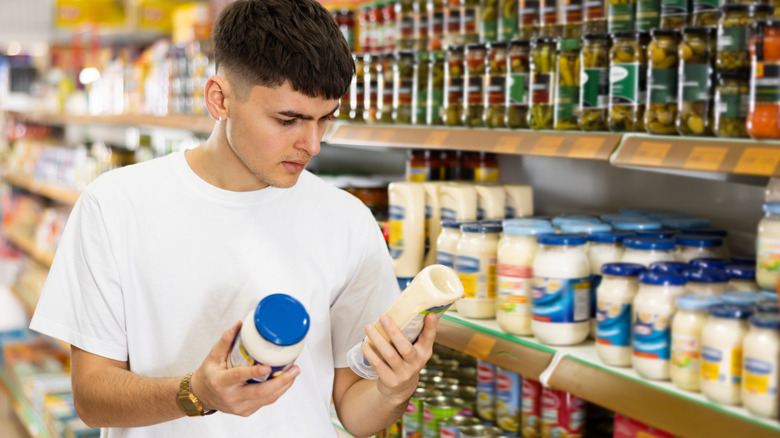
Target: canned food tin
x,y
450,428
563,414
480,432
437,409
532,408
486,391
509,395
440,382
466,393
413,417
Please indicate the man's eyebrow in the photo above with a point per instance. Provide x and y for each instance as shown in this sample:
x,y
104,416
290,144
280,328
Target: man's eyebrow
x,y
297,115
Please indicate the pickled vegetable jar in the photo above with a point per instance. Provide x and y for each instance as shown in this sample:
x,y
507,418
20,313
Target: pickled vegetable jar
x,y
674,13
453,34
528,18
567,89
592,10
372,97
404,16
357,94
548,12
422,26
705,13
620,15
661,111
694,96
763,119
436,95
733,26
470,19
495,86
594,86
508,20
732,94
572,12
436,19
648,14
540,111
488,23
474,107
386,87
453,86
421,83
518,84
627,82
403,87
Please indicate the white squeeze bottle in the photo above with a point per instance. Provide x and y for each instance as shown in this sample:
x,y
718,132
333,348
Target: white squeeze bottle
x,y
433,290
432,220
458,202
406,238
491,201
519,201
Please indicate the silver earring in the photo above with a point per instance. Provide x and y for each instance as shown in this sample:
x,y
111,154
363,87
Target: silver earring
x,y
220,119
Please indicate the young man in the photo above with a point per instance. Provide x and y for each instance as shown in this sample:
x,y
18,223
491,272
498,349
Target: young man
x,y
159,260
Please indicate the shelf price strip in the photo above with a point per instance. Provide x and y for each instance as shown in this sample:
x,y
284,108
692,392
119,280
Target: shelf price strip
x,y
507,145
547,146
480,345
650,154
705,158
436,139
586,147
758,161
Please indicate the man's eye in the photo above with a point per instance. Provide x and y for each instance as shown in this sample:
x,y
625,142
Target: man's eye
x,y
285,122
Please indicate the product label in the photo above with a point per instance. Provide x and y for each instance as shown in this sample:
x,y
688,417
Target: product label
x,y
732,38
613,323
662,83
549,12
395,237
413,418
478,276
561,299
620,16
685,353
454,91
648,14
453,20
240,357
416,174
767,82
421,30
437,23
484,174
594,88
488,30
433,416
652,336
509,395
360,93
406,26
595,282
528,13
624,83
721,366
496,89
696,85
518,89
540,88
437,100
768,255
593,9
486,390
674,7
567,99
470,20
475,90
404,89
705,5
572,10
507,27
531,408
758,377
445,258
412,329
733,105
563,414
515,285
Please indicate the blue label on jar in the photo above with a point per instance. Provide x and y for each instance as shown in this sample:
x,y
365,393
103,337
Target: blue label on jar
x,y
595,281
445,258
561,299
240,357
652,336
395,238
613,324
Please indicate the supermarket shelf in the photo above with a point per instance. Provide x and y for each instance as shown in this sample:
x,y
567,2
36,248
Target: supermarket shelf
x,y
52,191
22,408
199,124
27,245
580,372
28,299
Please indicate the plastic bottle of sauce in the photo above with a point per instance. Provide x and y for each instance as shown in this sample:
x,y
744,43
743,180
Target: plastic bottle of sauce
x,y
447,243
491,202
706,281
615,296
760,365
691,247
475,264
519,201
432,220
407,229
768,244
687,325
458,202
646,250
433,290
721,353
742,277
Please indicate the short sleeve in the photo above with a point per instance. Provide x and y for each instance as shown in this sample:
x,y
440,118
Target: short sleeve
x,y
82,302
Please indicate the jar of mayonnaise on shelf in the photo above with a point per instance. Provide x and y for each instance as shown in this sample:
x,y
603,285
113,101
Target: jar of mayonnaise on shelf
x,y
646,250
741,298
721,353
706,281
709,263
602,247
561,293
585,228
447,243
691,247
768,294
687,324
519,201
407,229
616,293
673,267
432,220
516,252
475,264
557,221
766,305
636,225
768,244
761,349
681,223
491,202
742,277
458,202
654,307
657,234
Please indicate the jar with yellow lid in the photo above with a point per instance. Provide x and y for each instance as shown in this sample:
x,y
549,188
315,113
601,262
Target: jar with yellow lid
x,y
567,90
628,82
696,83
454,86
495,86
474,105
732,95
518,84
540,111
594,86
733,27
661,111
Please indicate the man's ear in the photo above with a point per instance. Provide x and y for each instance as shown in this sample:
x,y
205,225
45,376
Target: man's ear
x,y
218,94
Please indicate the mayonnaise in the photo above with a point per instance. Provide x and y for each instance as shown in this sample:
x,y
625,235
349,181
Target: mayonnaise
x,y
272,334
768,247
585,228
721,353
669,267
657,234
406,238
742,277
764,304
602,247
654,307
741,298
635,225
447,243
690,246
433,290
519,201
760,368
569,218
687,324
432,220
561,294
646,250
616,293
475,264
706,281
458,201
516,252
491,202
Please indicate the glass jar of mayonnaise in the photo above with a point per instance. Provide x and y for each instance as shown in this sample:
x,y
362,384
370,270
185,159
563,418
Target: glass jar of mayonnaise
x,y
761,349
709,263
685,367
721,353
516,252
638,224
615,297
768,244
561,304
691,247
741,298
702,281
603,247
673,267
646,250
475,264
447,243
585,228
742,277
557,221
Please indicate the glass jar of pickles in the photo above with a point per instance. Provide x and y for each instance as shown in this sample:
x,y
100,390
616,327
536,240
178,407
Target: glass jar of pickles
x,y
733,26
627,82
436,94
422,27
357,95
495,86
453,35
435,11
594,82
705,13
695,85
592,10
372,97
731,99
474,105
763,119
420,88
470,21
567,85
620,15
488,23
518,84
648,14
528,18
404,15
386,87
403,87
548,12
453,86
674,13
540,111
661,110
507,23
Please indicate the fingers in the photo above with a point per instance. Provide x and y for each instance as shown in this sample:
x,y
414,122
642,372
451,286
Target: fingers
x,y
428,335
221,349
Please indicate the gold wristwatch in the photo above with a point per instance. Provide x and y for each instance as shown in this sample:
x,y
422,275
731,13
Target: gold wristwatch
x,y
188,403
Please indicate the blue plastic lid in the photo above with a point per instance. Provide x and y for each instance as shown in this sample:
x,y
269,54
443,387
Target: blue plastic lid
x,y
610,237
742,298
764,304
567,218
702,275
562,239
616,217
585,227
662,278
622,269
673,267
524,221
731,311
698,241
748,259
528,230
447,223
281,319
769,294
657,234
636,225
648,243
541,218
481,227
770,320
661,216
686,222
743,272
697,302
706,231
709,263
772,207
638,211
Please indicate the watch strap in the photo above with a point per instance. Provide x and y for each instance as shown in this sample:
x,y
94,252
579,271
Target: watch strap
x,y
187,400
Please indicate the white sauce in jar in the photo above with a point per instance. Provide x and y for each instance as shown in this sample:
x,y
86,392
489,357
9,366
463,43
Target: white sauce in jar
x,y
760,367
768,247
616,293
687,325
742,278
475,264
691,247
646,250
447,243
603,247
721,353
712,282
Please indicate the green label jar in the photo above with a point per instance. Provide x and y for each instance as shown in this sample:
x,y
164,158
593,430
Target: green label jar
x,y
621,15
648,14
507,24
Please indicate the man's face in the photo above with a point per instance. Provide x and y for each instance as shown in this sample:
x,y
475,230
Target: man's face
x,y
276,132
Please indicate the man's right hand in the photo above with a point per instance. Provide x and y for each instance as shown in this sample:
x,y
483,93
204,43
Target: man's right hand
x,y
225,389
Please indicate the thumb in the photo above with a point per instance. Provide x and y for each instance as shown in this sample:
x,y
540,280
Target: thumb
x,y
220,351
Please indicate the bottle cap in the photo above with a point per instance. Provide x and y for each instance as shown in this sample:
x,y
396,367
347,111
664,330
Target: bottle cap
x,y
281,319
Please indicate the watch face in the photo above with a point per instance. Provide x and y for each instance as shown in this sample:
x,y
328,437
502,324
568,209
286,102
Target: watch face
x,y
187,403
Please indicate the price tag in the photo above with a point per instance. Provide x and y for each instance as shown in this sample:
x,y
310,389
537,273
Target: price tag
x,y
758,161
507,145
650,154
480,345
547,146
586,147
384,136
705,158
436,139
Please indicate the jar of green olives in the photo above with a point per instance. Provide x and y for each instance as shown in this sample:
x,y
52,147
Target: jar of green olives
x,y
732,96
495,86
674,13
422,26
474,83
421,77
594,82
403,87
732,35
540,111
518,84
373,72
620,15
357,95
488,24
386,87
453,86
705,13
508,20
648,14
661,110
436,22
627,82
567,85
694,96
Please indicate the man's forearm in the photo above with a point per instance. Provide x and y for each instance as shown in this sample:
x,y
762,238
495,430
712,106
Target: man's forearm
x,y
364,411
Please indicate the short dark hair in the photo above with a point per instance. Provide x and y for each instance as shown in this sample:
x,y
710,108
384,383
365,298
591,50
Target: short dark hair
x,y
269,42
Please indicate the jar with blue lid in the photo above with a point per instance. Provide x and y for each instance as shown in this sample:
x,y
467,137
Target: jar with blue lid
x,y
609,218
646,250
703,281
561,291
768,247
557,221
603,247
669,267
526,221
693,246
721,353
705,231
742,278
768,294
639,211
447,242
636,225
685,222
687,324
475,264
657,234
585,227
709,263
761,351
766,305
741,298
615,296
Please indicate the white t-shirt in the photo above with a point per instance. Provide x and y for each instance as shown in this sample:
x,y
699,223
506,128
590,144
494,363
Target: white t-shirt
x,y
155,264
